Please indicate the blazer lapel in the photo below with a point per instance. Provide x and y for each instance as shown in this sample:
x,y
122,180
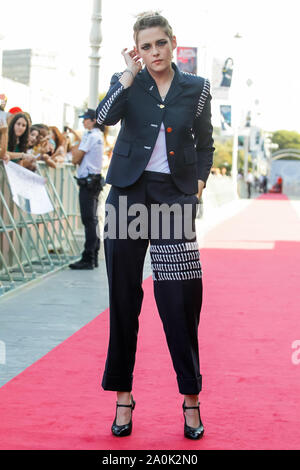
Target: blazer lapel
x,y
176,87
148,83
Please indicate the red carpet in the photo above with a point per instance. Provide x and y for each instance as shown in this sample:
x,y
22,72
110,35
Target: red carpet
x,y
251,388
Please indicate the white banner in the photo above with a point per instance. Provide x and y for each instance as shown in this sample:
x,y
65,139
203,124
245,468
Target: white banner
x,y
221,77
28,189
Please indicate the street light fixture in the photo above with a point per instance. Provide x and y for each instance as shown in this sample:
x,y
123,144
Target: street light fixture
x,y
95,40
234,170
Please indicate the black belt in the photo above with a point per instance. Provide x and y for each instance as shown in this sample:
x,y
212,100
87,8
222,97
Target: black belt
x,y
157,176
91,180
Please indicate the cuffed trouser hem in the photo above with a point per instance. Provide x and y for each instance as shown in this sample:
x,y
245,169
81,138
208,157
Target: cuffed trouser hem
x,y
116,383
189,386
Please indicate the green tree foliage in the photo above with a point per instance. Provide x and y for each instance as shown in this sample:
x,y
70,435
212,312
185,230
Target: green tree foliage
x,y
223,153
286,139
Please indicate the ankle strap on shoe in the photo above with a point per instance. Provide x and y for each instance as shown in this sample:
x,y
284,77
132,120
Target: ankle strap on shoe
x,y
124,406
190,407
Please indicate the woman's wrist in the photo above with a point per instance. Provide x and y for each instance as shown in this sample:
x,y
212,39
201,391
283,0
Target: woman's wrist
x,y
131,72
127,78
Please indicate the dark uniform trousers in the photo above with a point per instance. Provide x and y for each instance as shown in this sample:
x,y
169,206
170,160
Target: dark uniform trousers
x,y
88,201
177,281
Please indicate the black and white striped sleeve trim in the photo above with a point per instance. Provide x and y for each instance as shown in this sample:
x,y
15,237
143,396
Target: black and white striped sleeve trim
x,y
105,110
203,97
188,73
119,75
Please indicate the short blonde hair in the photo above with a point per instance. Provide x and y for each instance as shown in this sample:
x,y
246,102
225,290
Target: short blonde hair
x,y
151,19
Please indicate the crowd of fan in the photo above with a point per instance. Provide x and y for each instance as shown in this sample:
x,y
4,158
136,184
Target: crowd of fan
x,y
25,143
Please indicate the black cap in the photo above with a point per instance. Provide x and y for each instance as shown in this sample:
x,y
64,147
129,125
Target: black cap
x,y
89,114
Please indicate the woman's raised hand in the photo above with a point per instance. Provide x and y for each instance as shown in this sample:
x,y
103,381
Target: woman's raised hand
x,y
3,125
5,158
133,60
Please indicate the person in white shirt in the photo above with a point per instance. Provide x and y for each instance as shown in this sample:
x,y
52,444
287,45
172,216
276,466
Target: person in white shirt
x,y
250,182
88,156
4,116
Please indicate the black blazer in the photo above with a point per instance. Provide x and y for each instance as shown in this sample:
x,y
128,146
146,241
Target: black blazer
x,y
186,114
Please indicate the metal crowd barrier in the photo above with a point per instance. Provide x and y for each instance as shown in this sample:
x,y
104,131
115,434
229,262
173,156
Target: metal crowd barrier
x,y
32,246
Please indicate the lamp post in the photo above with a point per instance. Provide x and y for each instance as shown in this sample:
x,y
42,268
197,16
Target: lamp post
x,y
235,150
95,41
236,117
1,37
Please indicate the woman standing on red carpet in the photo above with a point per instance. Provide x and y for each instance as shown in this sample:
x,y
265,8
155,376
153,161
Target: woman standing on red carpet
x,y
163,156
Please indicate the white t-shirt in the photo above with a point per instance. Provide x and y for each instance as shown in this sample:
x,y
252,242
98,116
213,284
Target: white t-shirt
x,y
3,115
250,178
92,145
159,160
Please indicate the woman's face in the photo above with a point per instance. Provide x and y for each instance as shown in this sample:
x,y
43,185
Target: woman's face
x,y
89,124
20,127
155,48
44,137
33,138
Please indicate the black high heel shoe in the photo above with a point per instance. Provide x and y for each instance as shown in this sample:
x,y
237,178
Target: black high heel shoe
x,y
189,432
125,429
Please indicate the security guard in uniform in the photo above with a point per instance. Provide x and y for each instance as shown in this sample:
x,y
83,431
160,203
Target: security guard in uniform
x,y
88,155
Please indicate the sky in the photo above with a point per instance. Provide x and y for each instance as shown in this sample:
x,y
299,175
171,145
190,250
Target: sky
x,y
267,52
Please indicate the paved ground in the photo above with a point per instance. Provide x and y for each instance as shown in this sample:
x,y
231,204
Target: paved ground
x,y
36,319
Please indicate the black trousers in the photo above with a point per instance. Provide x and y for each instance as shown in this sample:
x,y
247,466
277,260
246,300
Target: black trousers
x,y
249,187
88,201
177,281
